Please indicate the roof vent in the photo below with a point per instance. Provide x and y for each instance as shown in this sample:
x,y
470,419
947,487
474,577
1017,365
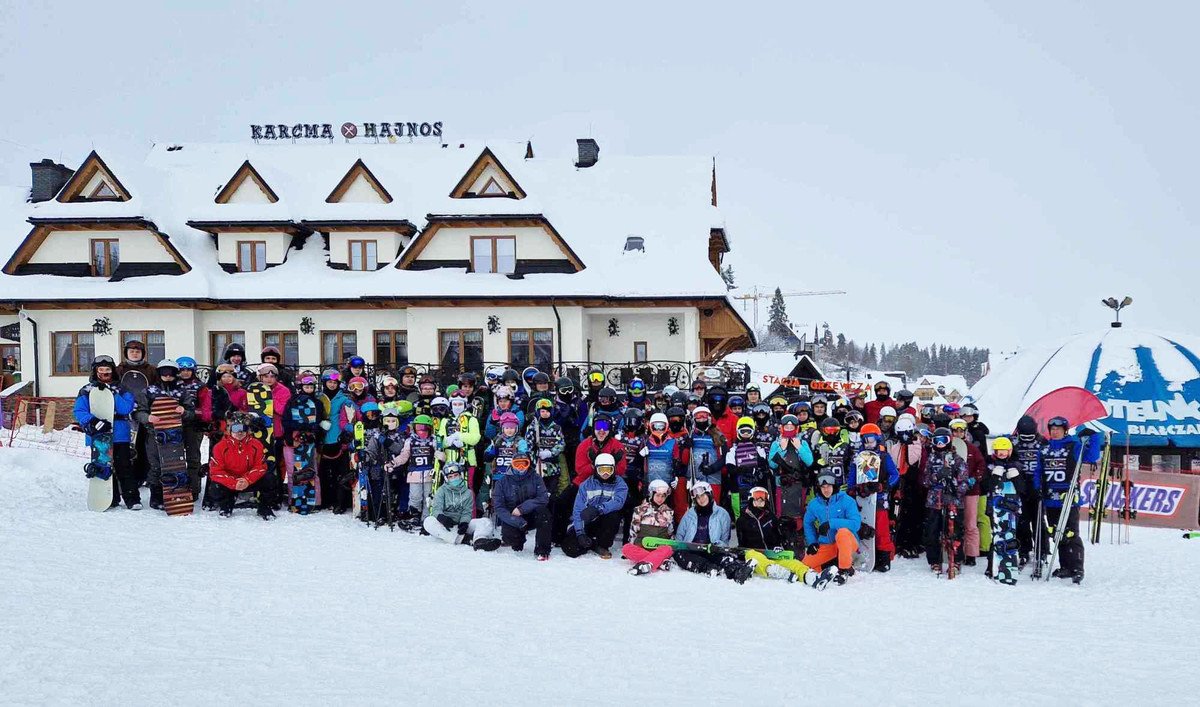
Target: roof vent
x,y
589,152
635,243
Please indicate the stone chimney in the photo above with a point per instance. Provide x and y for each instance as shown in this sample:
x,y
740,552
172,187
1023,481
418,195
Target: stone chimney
x,y
48,178
589,152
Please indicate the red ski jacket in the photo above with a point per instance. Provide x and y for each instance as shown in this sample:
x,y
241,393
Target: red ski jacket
x,y
232,460
585,457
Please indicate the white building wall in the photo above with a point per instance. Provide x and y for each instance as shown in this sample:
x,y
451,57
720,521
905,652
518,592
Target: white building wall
x,y
389,244
254,322
451,243
642,324
424,323
73,247
277,245
361,192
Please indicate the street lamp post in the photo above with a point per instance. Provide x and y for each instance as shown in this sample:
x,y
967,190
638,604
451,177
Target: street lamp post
x,y
1116,307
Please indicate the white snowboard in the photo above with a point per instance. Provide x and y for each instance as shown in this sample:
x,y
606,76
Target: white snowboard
x,y
100,491
866,470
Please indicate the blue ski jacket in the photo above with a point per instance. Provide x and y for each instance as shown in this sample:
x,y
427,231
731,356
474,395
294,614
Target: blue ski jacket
x,y
719,525
604,497
839,511
123,405
1059,458
524,490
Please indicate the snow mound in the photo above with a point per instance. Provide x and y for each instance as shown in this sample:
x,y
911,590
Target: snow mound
x,y
124,606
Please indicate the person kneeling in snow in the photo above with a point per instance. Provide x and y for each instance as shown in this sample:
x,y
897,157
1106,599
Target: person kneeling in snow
x,y
239,464
521,503
831,524
654,518
706,523
597,514
758,529
449,516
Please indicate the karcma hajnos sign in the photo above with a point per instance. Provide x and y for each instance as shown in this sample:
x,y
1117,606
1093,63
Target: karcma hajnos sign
x,y
325,131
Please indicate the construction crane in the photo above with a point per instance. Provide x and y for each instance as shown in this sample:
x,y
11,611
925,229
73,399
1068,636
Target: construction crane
x,y
755,295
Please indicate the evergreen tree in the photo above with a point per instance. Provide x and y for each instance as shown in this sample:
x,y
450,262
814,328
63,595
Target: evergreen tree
x,y
777,319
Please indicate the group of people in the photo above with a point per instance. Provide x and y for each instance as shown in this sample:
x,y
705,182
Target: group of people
x,y
716,482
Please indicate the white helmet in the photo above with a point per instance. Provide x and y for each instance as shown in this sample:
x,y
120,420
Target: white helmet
x,y
657,418
887,411
659,485
605,460
906,424
503,391
701,487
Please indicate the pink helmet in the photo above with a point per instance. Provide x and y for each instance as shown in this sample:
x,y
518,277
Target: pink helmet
x,y
509,418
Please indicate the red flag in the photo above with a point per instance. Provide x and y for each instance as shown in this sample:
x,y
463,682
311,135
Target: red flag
x,y
1079,406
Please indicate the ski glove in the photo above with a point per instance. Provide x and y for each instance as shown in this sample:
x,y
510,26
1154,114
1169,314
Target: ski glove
x,y
1012,473
325,425
585,541
823,528
589,514
644,451
446,521
812,549
685,442
462,528
866,532
99,426
545,454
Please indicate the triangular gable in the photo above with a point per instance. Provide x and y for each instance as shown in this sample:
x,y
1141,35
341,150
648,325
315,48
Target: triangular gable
x,y
487,177
93,181
359,186
90,227
246,186
435,223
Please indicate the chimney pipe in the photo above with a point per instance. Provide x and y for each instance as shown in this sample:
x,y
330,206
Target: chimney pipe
x,y
589,152
48,178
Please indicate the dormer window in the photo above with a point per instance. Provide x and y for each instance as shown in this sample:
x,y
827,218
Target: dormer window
x,y
364,255
251,256
106,256
494,254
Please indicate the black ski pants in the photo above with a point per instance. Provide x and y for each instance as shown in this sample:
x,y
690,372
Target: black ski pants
x,y
698,562
935,522
602,531
192,438
266,488
125,485
910,518
563,506
1070,549
1027,521
539,521
332,470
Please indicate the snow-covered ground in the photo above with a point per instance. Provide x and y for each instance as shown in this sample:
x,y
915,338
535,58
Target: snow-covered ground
x,y
136,607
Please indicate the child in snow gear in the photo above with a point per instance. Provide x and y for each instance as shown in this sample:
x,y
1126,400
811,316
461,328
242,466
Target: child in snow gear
x,y
450,512
1028,451
707,524
108,436
746,463
382,458
633,439
652,519
831,525
166,407
1004,485
759,529
238,464
976,471
421,454
908,504
596,516
302,426
873,475
944,475
333,469
701,454
193,430
521,500
791,459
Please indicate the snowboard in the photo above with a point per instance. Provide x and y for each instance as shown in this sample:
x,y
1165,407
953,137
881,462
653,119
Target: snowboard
x,y
362,496
261,404
99,470
866,473
304,475
651,543
172,459
1006,507
136,383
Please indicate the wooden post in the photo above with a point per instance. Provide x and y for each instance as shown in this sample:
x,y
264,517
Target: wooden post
x,y
48,420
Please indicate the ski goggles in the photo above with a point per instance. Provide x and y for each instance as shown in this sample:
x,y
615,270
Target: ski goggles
x,y
870,439
637,387
566,390
830,430
356,387
596,377
237,427
658,426
452,471
941,440
606,470
1058,421
602,426
757,494
521,463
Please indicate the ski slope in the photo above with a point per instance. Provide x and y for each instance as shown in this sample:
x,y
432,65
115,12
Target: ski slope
x,y
137,607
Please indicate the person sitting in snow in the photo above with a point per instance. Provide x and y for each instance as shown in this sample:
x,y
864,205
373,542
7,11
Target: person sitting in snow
x,y
449,518
521,503
831,523
654,518
708,525
759,529
597,514
239,464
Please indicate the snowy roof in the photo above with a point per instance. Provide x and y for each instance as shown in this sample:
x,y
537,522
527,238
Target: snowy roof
x,y
666,200
1148,380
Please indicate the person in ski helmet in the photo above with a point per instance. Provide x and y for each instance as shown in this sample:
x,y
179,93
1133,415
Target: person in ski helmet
x,y
653,518
944,474
734,411
506,444
450,511
753,394
521,504
905,449
1065,455
1003,489
778,405
887,420
676,421
903,403
699,388
791,459
820,405
707,523
883,398
104,378
238,464
1028,451
831,449
976,471
831,525
268,375
746,461
596,516
977,432
194,430
356,366
271,355
637,394
701,456
167,388
601,441
841,407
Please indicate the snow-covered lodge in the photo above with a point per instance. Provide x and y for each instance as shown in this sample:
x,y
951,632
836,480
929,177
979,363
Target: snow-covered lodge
x,y
443,255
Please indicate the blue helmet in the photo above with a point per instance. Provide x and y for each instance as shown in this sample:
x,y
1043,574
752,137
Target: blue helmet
x,y
357,362
186,362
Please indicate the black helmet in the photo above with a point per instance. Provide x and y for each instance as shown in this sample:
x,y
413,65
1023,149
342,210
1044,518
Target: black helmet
x,y
905,394
676,411
234,349
541,377
760,410
607,392
466,377
830,422
633,418
679,399
510,375
1027,425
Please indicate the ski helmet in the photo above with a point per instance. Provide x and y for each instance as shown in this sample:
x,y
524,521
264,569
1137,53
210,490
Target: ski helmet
x,y
658,422
389,381
492,375
826,478
357,362
607,392
330,374
510,376
423,420
882,384
1002,444
186,362
887,411
439,406
905,424
605,466
854,415
758,492
503,392
541,377
543,404
528,374
700,488
452,469
658,486
103,360
870,429
565,386
830,426
404,407
670,390
941,437
746,424
509,418
1027,425
633,419
458,404
267,369
958,424
637,386
357,382
760,411
1058,421
737,401
969,409
370,407
905,396
167,365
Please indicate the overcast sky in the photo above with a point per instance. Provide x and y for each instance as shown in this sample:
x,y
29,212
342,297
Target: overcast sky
x,y
972,173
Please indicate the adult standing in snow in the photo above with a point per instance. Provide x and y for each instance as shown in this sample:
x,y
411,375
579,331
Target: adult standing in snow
x,y
905,449
1028,451
652,519
166,387
596,517
134,360
1064,453
521,504
976,470
831,525
701,454
239,464
125,485
706,523
883,398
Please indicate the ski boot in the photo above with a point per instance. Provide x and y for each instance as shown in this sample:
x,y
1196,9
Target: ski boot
x,y
969,561
604,553
665,565
1077,577
487,544
820,580
780,572
225,513
266,513
640,569
936,568
883,561
843,575
1060,573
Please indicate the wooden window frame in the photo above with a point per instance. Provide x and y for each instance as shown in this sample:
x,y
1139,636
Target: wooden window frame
x,y
532,360
143,335
212,340
282,333
253,257
494,240
94,195
646,346
391,345
341,346
462,345
362,245
108,255
83,368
